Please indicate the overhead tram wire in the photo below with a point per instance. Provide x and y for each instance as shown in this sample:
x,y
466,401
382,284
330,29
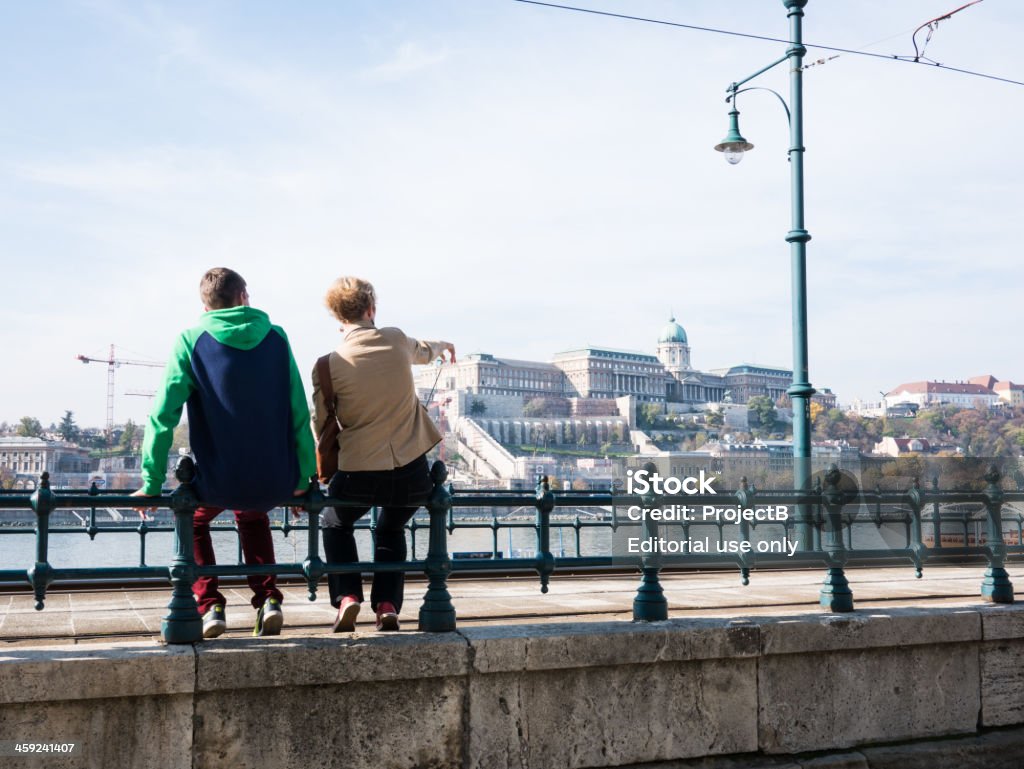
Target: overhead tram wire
x,y
765,38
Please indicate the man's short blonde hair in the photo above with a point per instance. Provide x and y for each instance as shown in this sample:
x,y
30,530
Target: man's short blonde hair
x,y
221,288
349,298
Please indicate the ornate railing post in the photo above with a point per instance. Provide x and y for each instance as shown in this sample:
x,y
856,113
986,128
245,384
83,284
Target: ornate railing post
x,y
744,499
650,604
183,625
816,517
996,586
143,530
313,566
437,615
41,574
92,529
916,500
835,591
936,516
545,504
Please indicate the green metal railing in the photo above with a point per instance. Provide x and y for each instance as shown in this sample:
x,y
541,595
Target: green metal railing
x,y
832,543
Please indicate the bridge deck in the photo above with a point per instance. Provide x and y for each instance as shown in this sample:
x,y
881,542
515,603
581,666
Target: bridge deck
x,y
73,616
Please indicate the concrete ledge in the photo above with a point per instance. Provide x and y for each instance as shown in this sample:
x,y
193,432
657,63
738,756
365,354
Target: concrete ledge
x,y
58,673
874,629
556,647
265,663
1001,621
581,696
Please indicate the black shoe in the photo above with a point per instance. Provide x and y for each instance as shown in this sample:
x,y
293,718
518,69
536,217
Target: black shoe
x,y
269,618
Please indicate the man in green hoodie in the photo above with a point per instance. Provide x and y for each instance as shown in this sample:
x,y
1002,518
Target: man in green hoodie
x,y
248,430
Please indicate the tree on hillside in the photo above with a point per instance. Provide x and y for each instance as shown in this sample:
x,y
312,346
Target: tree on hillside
x,y
67,428
816,411
762,409
29,427
130,436
648,415
535,407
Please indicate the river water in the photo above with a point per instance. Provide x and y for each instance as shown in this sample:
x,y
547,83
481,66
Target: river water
x,y
112,548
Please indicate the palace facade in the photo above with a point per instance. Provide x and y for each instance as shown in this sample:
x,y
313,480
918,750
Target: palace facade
x,y
606,373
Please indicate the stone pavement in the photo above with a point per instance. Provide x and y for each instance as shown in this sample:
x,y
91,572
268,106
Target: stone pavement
x,y
73,616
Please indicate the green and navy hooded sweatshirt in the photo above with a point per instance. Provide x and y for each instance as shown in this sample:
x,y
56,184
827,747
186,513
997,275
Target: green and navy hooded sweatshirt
x,y
248,419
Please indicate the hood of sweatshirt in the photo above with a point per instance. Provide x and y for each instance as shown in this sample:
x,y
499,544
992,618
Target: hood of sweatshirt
x,y
240,327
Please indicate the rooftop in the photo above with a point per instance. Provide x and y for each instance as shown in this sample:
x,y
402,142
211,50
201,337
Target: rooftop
x,y
948,388
607,352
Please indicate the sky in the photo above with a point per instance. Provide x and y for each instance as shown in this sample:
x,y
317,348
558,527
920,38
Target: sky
x,y
515,179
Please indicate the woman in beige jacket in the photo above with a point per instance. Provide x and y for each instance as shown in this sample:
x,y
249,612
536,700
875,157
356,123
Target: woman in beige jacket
x,y
385,435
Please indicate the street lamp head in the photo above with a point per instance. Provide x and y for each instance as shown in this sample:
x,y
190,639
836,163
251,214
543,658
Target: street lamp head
x,y
734,145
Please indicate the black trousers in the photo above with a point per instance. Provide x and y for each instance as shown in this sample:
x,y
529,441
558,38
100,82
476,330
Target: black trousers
x,y
399,493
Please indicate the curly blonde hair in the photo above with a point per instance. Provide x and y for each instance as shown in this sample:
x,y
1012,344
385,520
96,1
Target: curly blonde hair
x,y
349,298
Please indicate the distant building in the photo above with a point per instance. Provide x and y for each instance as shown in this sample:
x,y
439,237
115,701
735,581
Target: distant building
x,y
985,380
602,373
23,460
485,374
902,410
960,394
825,397
895,447
1010,393
594,372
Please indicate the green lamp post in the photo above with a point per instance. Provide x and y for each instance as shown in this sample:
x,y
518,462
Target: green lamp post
x,y
733,146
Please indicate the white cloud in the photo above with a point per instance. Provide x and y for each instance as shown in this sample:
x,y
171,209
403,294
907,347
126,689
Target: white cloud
x,y
410,58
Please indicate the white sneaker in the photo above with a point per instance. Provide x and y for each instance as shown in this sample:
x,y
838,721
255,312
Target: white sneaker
x,y
214,621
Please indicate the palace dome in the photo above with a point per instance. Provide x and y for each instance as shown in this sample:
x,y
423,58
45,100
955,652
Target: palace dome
x,y
672,332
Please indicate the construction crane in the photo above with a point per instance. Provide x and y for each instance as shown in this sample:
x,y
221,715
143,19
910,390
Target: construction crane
x,y
113,363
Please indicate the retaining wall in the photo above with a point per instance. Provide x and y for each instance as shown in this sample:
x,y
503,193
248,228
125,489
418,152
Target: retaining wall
x,y
730,692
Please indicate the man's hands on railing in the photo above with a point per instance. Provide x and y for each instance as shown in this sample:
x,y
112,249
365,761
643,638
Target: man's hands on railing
x,y
297,510
142,510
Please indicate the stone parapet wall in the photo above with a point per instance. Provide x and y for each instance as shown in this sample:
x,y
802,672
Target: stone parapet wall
x,y
733,692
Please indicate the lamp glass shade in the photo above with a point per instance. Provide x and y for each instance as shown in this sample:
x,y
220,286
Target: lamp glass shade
x,y
734,145
733,155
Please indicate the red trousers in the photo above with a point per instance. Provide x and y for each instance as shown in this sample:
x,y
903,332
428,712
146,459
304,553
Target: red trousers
x,y
257,547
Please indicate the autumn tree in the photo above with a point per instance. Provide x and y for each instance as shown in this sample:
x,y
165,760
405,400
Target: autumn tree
x,y
29,427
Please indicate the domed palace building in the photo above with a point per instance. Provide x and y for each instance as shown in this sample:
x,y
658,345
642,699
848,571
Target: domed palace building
x,y
601,373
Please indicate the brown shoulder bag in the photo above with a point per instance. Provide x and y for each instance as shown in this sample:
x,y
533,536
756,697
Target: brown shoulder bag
x,y
327,441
